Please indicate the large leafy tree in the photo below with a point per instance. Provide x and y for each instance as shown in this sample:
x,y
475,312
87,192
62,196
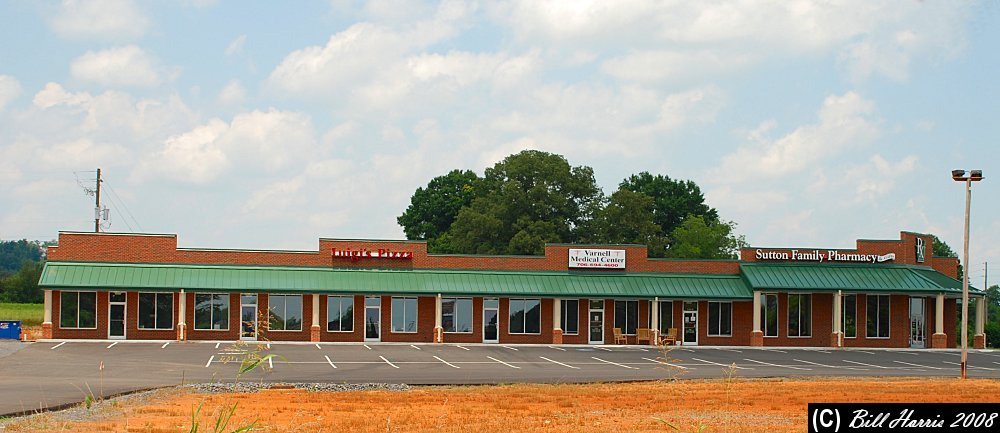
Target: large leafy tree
x,y
700,238
22,286
434,208
528,199
13,254
627,219
941,248
673,199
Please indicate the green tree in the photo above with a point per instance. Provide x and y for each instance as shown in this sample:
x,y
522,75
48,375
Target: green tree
x,y
22,287
433,209
528,199
700,238
627,219
13,254
673,200
941,248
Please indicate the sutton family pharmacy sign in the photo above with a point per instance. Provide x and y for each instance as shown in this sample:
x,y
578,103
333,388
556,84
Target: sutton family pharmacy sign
x,y
823,256
603,259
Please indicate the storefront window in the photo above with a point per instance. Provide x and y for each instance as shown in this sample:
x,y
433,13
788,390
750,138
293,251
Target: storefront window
x,y
404,314
720,319
211,312
525,316
284,312
666,316
799,315
156,311
850,312
78,310
627,316
340,313
570,316
456,315
878,316
769,314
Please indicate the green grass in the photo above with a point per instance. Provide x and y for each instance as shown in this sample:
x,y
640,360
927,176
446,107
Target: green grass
x,y
28,314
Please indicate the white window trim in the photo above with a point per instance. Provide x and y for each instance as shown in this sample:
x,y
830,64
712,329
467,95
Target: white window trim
x,y
354,312
563,310
763,316
788,311
708,314
637,325
416,320
61,293
889,335
195,312
843,315
540,314
285,317
138,304
472,316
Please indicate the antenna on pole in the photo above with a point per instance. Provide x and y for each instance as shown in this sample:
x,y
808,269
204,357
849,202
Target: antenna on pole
x,y
97,208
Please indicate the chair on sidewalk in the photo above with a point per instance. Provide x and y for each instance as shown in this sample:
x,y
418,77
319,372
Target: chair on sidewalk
x,y
643,334
619,338
670,338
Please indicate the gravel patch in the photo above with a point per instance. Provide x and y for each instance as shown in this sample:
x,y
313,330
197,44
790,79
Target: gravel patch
x,y
247,387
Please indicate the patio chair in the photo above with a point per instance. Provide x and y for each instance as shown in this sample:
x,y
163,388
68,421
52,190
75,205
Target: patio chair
x,y
670,338
644,334
619,338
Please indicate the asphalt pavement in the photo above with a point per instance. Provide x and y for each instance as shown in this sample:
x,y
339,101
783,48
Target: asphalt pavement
x,y
54,374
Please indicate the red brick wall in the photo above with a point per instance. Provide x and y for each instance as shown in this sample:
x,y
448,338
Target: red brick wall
x,y
904,248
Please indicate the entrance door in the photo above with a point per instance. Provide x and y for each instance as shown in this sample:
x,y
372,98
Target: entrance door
x,y
917,329
691,323
248,317
116,316
596,322
491,315
373,318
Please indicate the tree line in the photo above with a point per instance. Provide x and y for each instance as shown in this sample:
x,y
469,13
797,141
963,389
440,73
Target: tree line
x,y
21,264
532,198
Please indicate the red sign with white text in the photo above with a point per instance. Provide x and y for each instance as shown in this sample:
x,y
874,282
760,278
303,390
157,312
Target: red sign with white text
x,y
364,253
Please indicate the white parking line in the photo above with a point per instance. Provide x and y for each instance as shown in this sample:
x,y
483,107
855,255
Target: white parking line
x,y
772,350
446,362
829,366
605,349
723,365
970,366
557,362
462,347
164,345
415,347
688,350
112,345
268,346
366,347
504,363
217,345
387,362
666,363
210,358
821,351
511,348
329,361
777,365
732,350
917,365
318,347
866,365
270,364
557,348
863,351
615,363
60,344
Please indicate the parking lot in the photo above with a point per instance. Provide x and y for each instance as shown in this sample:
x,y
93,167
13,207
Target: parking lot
x,y
52,374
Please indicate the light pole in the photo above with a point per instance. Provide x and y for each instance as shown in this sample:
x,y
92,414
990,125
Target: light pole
x,y
959,176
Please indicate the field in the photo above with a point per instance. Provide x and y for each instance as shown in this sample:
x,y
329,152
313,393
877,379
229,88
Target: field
x,y
28,314
728,405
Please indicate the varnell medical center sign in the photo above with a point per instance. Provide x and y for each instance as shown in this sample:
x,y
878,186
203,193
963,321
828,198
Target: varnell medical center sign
x,y
822,256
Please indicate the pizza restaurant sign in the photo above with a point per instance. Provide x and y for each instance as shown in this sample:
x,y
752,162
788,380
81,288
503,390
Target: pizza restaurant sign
x,y
823,256
365,253
599,259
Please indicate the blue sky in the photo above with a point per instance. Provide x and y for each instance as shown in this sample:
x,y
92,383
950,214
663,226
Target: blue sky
x,y
264,125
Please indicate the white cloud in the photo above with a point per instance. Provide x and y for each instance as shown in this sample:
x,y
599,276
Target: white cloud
x,y
233,93
10,88
657,65
236,45
123,66
877,177
103,19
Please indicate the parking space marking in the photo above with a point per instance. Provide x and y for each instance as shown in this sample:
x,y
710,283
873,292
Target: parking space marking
x,y
446,362
970,366
112,345
557,348
909,353
917,365
164,345
462,347
772,350
820,351
504,363
605,349
217,345
54,347
688,350
268,346
210,358
415,346
557,362
777,365
318,347
367,347
723,365
829,366
863,351
511,348
387,362
667,363
329,361
866,365
732,350
615,363
270,363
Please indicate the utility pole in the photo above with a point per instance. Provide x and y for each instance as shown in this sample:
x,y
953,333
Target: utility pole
x,y
97,210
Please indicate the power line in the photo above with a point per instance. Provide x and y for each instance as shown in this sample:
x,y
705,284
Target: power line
x,y
119,202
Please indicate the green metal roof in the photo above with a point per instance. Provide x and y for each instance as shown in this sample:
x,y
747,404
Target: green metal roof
x,y
162,277
830,277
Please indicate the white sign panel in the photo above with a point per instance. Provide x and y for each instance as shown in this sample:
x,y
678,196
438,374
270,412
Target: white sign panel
x,y
603,259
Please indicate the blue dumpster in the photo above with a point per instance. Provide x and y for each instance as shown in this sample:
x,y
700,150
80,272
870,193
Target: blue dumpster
x,y
10,329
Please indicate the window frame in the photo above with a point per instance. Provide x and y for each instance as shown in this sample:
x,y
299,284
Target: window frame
x,y
564,320
708,314
626,321
764,315
62,295
788,312
340,310
843,314
455,312
284,317
392,314
156,311
659,316
211,317
868,315
524,316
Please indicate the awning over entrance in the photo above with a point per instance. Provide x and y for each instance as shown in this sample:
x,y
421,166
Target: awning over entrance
x,y
859,278
228,278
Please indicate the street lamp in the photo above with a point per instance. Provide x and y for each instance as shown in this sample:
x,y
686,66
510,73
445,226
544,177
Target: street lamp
x,y
959,176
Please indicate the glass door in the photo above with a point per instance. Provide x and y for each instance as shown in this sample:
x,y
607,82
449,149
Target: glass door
x,y
116,316
373,318
491,314
248,317
917,326
691,323
596,322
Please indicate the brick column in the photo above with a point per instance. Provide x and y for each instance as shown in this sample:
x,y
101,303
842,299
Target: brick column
x,y
557,331
314,330
756,335
939,340
979,340
47,318
182,317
